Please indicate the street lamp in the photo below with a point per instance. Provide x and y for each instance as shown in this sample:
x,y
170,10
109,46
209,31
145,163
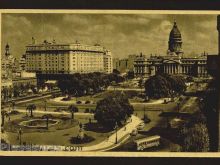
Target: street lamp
x,y
178,106
45,105
76,93
116,133
144,114
19,135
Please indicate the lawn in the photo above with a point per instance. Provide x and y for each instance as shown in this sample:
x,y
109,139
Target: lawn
x,y
58,136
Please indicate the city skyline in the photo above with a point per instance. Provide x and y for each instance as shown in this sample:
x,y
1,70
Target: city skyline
x,y
132,33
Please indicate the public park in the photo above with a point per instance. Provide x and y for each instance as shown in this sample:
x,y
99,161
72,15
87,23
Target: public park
x,y
111,116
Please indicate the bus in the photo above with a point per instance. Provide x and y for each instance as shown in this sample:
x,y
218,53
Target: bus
x,y
148,142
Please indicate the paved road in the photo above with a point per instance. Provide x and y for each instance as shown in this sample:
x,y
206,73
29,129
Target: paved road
x,y
121,134
110,88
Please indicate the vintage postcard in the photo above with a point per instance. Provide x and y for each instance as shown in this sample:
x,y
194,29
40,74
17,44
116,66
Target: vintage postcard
x,y
110,83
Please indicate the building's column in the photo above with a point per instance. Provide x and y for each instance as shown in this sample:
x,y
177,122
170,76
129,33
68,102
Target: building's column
x,y
202,71
176,69
171,68
168,68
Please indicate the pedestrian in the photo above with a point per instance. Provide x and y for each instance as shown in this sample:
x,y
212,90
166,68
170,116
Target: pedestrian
x,y
107,138
125,128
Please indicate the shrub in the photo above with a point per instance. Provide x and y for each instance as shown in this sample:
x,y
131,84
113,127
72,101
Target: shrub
x,y
77,140
66,99
86,110
92,110
87,102
14,112
78,102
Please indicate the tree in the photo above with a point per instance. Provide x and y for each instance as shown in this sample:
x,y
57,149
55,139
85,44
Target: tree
x,y
72,109
113,109
164,85
16,91
195,138
157,86
31,108
130,75
3,115
115,71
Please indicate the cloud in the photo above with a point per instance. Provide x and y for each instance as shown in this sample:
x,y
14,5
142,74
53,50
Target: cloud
x,y
75,19
206,24
11,21
126,19
123,34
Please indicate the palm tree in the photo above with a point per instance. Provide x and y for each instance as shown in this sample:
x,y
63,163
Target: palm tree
x,y
72,109
31,108
3,115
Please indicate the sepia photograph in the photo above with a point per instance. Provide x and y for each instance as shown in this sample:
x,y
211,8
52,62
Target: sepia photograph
x,y
110,81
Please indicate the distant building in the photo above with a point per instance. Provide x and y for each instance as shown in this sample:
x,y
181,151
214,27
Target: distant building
x,y
24,81
173,62
22,63
7,64
55,58
124,65
13,75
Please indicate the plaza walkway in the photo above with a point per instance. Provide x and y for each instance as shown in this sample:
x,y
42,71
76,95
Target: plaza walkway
x,y
55,113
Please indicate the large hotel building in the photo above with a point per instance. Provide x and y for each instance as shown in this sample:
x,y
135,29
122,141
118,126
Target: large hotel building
x,y
55,58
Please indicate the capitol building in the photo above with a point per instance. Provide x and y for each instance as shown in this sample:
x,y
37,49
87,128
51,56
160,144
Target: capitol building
x,y
172,63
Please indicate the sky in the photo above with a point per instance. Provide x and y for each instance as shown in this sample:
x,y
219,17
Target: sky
x,y
122,34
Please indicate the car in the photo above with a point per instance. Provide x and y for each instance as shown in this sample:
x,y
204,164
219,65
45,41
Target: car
x,y
140,126
134,132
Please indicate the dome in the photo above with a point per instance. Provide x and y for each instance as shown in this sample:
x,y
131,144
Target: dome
x,y
175,33
175,41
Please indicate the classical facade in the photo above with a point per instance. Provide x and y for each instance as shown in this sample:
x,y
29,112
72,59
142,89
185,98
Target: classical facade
x,y
174,62
54,58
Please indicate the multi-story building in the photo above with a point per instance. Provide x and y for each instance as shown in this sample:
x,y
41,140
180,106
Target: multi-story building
x,y
172,63
54,58
125,64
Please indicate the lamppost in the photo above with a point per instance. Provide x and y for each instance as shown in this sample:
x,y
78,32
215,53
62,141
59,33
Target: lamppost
x,y
116,133
19,135
76,93
178,106
45,105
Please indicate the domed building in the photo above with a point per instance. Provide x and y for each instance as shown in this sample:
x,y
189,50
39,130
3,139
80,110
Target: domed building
x,y
173,62
175,41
